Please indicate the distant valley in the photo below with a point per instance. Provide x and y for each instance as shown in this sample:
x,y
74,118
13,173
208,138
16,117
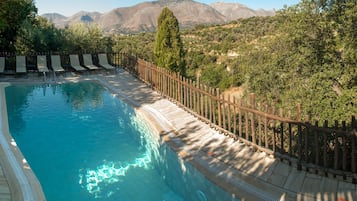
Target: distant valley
x,y
143,17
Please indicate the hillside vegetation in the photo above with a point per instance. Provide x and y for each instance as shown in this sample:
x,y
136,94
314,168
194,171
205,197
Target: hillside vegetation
x,y
305,54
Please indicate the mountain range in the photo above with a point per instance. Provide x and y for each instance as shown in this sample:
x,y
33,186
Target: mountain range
x,y
143,16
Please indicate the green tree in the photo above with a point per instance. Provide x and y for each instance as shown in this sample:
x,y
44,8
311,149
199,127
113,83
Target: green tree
x,y
40,36
140,44
312,60
213,75
13,15
84,37
168,48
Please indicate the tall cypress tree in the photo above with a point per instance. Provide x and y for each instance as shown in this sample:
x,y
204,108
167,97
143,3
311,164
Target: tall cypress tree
x,y
168,50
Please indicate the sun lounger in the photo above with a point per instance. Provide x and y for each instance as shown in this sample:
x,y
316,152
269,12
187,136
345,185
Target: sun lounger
x,y
103,61
42,64
2,64
75,62
21,64
88,62
56,63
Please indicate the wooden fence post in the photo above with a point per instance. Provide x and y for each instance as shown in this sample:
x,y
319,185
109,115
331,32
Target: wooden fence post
x,y
354,149
182,88
210,103
299,144
306,138
167,83
213,106
344,148
266,127
206,99
185,94
325,146
218,95
252,121
190,95
194,95
202,101
240,121
229,113
246,125
223,112
160,87
290,139
168,75
336,148
259,127
282,150
235,117
317,144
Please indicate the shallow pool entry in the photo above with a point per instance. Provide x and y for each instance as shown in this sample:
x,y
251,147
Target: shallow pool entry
x,y
83,143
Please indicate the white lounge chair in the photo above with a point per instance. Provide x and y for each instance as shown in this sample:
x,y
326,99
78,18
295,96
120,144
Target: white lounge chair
x,y
42,64
75,62
103,61
21,64
88,62
2,64
56,63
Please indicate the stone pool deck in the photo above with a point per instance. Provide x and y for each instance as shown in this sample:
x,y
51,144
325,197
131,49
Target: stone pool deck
x,y
234,166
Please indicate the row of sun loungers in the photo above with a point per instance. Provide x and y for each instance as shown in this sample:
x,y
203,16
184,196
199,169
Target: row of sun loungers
x,y
56,64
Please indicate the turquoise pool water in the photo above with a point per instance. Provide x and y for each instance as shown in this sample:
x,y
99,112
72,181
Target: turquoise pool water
x,y
83,143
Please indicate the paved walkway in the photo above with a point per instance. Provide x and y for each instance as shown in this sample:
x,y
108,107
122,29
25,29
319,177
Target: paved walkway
x,y
231,164
5,194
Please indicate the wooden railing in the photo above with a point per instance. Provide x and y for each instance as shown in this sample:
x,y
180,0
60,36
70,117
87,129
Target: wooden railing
x,y
326,150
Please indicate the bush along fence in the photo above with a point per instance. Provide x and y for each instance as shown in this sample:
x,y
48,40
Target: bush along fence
x,y
328,150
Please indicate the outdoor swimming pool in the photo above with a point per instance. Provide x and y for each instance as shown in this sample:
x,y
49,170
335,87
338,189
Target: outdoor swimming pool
x,y
83,143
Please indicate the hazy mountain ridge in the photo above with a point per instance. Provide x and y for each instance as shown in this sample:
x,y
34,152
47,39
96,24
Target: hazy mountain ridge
x,y
143,17
233,11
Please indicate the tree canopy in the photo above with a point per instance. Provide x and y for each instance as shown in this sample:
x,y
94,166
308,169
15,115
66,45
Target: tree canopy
x,y
23,31
13,15
168,45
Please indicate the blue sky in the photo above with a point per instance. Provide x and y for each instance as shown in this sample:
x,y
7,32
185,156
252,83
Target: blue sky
x,y
70,7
